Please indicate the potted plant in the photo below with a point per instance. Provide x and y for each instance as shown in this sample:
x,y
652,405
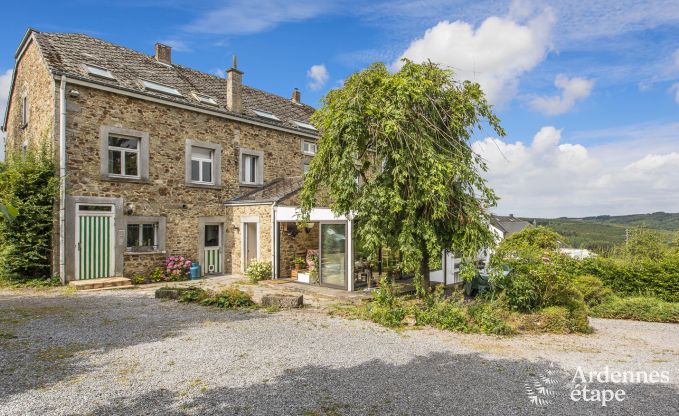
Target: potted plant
x,y
299,262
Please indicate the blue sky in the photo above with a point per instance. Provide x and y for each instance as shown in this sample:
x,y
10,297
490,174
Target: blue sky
x,y
588,93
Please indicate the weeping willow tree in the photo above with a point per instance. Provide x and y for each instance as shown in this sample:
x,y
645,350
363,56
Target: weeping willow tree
x,y
395,152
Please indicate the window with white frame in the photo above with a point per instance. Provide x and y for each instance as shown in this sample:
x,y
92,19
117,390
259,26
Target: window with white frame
x,y
202,165
142,237
249,164
123,156
309,147
307,166
24,110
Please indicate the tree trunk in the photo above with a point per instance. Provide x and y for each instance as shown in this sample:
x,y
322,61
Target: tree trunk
x,y
424,268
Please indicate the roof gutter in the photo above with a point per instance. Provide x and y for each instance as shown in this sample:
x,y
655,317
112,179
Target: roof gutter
x,y
146,97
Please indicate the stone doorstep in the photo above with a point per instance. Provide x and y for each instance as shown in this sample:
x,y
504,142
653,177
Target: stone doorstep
x,y
104,283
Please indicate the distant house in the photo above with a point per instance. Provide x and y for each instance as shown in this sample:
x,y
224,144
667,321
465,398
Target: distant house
x,y
508,225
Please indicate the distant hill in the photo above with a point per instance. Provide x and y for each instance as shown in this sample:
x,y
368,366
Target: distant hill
x,y
602,232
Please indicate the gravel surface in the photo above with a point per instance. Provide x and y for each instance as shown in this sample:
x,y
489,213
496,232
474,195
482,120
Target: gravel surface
x,y
123,352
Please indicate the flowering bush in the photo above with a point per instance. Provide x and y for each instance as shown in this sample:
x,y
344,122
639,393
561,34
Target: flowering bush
x,y
176,268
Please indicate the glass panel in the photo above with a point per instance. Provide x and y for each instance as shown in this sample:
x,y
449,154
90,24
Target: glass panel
x,y
102,208
332,259
133,236
195,170
207,171
253,169
148,235
114,162
212,236
307,167
124,142
131,164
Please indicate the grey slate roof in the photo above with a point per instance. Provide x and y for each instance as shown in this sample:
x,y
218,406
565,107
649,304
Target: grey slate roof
x,y
68,53
274,191
509,225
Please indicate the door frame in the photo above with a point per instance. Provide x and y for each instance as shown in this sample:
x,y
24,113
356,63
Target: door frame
x,y
248,219
347,229
202,222
112,236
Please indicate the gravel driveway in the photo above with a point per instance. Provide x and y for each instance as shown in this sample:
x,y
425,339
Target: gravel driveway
x,y
123,352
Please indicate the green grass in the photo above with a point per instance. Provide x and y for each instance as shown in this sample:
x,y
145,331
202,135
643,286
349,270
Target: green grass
x,y
640,308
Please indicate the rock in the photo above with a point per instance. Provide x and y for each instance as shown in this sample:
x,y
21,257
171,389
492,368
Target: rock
x,y
171,292
409,320
283,301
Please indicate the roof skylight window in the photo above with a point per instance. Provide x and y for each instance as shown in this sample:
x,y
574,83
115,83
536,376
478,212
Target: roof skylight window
x,y
305,125
152,86
205,99
267,115
99,72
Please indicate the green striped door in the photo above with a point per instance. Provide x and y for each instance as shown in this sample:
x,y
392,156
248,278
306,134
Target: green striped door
x,y
213,260
95,244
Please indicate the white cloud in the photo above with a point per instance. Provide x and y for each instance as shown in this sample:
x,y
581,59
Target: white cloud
x,y
177,45
5,82
572,90
547,178
495,54
318,75
676,59
675,90
246,16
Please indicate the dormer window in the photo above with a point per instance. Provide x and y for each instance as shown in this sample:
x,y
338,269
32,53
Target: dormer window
x,y
153,86
305,125
267,115
99,72
205,99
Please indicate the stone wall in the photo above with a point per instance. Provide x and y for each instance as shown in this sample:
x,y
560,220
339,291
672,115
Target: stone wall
x,y
166,193
234,216
295,246
142,264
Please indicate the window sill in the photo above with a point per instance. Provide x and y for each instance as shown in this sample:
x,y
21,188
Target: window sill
x,y
203,185
143,253
251,185
122,179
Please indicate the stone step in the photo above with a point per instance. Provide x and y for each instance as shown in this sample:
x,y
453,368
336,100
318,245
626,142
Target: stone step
x,y
104,283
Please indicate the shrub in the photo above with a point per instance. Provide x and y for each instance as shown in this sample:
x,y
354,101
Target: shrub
x,y
592,289
176,268
552,319
443,314
28,183
490,318
389,316
258,270
640,308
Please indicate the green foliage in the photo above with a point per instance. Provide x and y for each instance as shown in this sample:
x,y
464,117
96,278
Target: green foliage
x,y
27,183
592,288
649,277
640,308
642,244
444,314
490,318
8,212
406,136
229,298
541,238
258,270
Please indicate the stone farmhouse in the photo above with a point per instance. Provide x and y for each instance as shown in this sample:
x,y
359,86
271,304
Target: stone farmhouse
x,y
156,159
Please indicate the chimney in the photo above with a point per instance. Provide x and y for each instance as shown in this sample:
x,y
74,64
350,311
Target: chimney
x,y
511,215
296,96
234,87
163,53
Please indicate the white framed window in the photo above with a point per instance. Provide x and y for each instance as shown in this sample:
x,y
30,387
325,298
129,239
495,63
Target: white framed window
x,y
98,71
142,237
307,166
251,167
202,165
165,89
205,99
24,110
267,115
309,147
123,156
305,125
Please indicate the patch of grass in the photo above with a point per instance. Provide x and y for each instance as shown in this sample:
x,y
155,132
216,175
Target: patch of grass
x,y
30,283
229,298
639,308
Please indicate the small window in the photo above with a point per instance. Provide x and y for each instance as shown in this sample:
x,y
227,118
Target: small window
x,y
142,237
205,99
202,162
24,110
309,148
123,156
95,208
267,115
307,166
152,86
212,235
249,169
99,72
305,125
